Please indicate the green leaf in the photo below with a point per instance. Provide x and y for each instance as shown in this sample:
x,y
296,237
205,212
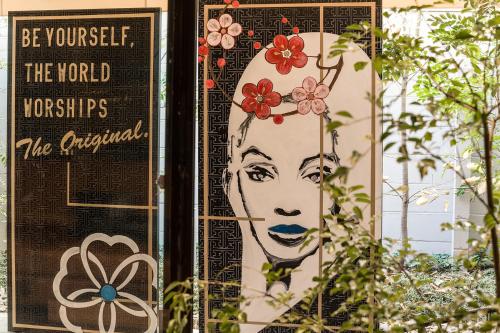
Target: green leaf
x,y
463,34
358,212
356,188
494,22
355,27
388,146
360,65
334,125
378,64
344,114
486,327
489,221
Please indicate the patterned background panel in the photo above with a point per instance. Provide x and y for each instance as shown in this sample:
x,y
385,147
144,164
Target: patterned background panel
x,y
267,90
83,217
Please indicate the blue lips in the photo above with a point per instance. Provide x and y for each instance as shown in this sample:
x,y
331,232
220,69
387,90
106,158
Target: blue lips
x,y
289,229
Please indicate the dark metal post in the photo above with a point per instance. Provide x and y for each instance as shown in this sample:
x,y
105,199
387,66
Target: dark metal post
x,y
180,145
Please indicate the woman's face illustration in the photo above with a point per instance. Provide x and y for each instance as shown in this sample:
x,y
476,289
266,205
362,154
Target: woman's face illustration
x,y
279,180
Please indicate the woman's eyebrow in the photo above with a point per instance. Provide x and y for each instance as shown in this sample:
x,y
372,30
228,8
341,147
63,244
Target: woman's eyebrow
x,y
255,151
308,160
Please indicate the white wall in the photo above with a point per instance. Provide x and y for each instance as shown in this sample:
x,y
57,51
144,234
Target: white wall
x,y
424,222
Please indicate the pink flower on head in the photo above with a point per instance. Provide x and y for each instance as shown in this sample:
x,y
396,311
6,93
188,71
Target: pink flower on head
x,y
223,31
310,96
260,98
287,54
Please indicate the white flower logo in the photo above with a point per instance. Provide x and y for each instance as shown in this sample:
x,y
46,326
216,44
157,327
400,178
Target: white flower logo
x,y
108,292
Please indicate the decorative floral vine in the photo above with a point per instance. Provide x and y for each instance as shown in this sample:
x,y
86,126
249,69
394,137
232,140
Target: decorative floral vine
x,y
285,53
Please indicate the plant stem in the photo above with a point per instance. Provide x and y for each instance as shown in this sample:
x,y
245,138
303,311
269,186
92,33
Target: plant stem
x,y
405,197
491,203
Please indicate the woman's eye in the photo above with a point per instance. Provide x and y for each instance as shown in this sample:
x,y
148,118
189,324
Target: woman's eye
x,y
259,174
315,176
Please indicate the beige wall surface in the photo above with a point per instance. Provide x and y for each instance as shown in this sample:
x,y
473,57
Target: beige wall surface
x,y
405,3
8,5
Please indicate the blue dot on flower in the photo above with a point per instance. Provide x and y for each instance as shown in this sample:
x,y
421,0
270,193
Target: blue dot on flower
x,y
108,293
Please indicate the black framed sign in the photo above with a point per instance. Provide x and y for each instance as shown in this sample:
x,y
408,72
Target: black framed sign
x,y
83,90
268,89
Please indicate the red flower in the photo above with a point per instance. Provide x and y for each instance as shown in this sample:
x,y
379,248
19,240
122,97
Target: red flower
x,y
295,30
257,45
210,84
203,50
287,54
260,98
221,62
278,119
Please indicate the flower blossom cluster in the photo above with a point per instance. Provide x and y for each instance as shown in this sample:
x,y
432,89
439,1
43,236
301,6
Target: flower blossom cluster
x,y
285,54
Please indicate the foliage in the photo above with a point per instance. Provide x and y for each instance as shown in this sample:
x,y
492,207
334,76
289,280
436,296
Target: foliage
x,y
458,85
443,270
179,297
3,270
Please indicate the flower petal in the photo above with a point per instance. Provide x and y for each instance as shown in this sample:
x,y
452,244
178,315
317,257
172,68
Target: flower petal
x,y
299,94
250,90
225,20
227,41
99,237
68,324
214,38
274,55
152,318
234,29
296,44
264,87
263,111
112,324
273,99
136,313
299,59
321,91
134,260
213,25
249,104
99,265
63,272
304,107
318,106
284,67
309,84
281,42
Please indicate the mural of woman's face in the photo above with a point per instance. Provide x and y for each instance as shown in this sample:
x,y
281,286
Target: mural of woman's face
x,y
279,180
274,170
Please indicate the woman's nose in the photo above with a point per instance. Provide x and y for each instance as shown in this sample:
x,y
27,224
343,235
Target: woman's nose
x,y
282,212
